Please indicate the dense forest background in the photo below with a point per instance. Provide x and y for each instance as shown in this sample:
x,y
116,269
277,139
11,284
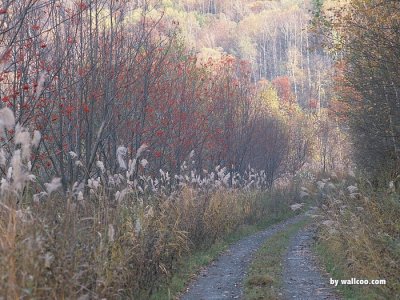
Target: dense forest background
x,y
273,36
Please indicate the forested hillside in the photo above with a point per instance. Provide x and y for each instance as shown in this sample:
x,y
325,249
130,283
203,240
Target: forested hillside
x,y
273,36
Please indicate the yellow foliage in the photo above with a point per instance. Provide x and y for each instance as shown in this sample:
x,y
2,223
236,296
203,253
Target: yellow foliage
x,y
269,101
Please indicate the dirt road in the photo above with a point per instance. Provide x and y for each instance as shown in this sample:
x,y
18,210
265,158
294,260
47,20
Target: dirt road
x,y
223,279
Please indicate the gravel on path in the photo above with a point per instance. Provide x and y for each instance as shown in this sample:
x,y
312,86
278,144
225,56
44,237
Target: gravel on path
x,y
302,277
223,279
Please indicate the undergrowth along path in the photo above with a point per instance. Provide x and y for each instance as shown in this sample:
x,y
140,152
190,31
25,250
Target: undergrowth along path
x,y
303,279
223,279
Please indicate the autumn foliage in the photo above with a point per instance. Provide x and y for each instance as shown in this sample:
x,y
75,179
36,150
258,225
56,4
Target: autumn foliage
x,y
91,80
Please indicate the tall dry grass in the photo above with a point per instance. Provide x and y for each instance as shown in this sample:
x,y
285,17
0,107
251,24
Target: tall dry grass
x,y
62,248
361,232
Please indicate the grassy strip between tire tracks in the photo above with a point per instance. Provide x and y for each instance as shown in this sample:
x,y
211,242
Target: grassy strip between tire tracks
x,y
264,279
191,265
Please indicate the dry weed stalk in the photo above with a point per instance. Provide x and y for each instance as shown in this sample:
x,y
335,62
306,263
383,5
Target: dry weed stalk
x,y
363,225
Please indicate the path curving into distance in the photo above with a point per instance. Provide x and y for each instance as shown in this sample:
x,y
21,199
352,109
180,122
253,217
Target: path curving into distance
x,y
223,279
